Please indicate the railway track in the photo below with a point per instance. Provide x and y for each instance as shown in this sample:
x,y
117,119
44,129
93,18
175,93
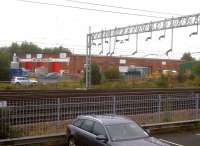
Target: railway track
x,y
14,94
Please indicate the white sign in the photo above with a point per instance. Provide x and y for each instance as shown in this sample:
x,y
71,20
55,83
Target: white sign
x,y
122,61
28,56
3,104
67,60
63,55
39,56
123,69
164,62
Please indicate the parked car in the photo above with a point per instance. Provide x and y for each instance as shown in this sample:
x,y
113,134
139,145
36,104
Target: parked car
x,y
53,75
23,81
101,130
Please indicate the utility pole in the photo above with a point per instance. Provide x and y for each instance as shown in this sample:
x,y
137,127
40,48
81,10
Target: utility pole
x,y
88,60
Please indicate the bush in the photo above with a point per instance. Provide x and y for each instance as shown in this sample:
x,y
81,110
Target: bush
x,y
96,75
193,83
112,74
6,130
196,69
162,82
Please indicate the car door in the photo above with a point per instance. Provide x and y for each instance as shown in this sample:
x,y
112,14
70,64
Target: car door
x,y
85,135
98,129
22,80
25,81
76,131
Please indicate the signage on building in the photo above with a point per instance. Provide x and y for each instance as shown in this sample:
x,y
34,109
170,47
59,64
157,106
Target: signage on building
x,y
28,56
63,55
164,62
14,65
67,60
122,61
123,69
39,56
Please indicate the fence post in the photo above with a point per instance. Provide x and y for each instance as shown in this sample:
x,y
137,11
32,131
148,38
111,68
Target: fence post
x,y
159,108
197,106
58,109
114,105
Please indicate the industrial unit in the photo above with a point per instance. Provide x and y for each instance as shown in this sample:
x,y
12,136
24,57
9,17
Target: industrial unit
x,y
74,64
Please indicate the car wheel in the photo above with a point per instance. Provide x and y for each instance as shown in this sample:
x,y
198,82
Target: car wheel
x,y
71,142
34,84
18,83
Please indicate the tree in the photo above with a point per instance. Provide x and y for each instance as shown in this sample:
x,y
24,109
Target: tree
x,y
29,47
196,69
4,66
59,49
187,57
112,74
95,75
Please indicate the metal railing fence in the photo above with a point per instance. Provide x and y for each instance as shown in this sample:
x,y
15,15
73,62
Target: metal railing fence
x,y
40,116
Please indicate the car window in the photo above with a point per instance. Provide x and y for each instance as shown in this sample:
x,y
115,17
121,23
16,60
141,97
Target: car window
x,y
87,125
98,129
126,131
78,122
20,78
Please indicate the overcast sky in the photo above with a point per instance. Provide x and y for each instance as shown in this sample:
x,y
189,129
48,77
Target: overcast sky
x,y
50,25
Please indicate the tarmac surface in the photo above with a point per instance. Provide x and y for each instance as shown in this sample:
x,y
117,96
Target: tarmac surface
x,y
190,138
181,139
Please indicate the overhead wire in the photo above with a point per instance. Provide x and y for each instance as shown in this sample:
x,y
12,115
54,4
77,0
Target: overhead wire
x,y
125,8
89,9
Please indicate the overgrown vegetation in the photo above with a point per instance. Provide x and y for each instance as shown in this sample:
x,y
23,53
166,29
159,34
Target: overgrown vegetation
x,y
112,74
4,66
6,130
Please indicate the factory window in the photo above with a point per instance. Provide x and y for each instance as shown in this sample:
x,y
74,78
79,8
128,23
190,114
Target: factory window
x,y
63,55
39,56
28,56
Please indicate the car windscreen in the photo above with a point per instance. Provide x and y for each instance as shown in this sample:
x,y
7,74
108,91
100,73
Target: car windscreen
x,y
127,131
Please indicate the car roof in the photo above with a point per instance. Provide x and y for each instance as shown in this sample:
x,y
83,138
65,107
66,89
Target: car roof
x,y
107,119
20,77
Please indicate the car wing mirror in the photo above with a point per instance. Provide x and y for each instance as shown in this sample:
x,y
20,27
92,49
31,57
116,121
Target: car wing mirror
x,y
148,131
102,138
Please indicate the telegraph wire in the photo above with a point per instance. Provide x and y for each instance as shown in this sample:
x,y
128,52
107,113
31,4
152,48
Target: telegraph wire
x,y
89,9
125,8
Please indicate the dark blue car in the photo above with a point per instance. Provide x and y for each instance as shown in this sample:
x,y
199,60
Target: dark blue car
x,y
96,130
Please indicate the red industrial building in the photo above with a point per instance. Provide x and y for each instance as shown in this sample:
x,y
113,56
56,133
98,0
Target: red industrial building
x,y
74,64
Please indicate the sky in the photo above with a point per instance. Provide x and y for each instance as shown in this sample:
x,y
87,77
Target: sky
x,y
49,26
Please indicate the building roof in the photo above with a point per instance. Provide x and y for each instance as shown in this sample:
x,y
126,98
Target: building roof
x,y
136,58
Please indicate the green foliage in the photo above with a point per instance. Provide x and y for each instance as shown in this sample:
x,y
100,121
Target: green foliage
x,y
28,47
112,74
4,66
6,86
6,130
187,57
163,82
24,47
96,74
193,83
196,69
59,49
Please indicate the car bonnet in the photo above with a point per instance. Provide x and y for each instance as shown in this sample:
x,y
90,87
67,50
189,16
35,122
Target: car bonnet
x,y
150,141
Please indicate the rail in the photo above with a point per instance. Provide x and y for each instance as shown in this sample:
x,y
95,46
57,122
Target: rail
x,y
6,94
